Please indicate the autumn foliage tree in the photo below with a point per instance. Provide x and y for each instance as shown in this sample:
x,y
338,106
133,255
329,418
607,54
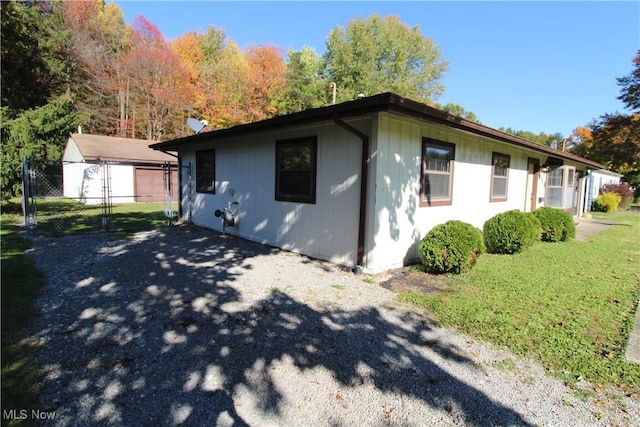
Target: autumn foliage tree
x,y
92,39
159,83
614,138
266,74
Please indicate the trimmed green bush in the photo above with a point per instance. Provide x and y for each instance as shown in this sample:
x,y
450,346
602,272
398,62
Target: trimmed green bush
x,y
557,224
511,232
452,247
607,202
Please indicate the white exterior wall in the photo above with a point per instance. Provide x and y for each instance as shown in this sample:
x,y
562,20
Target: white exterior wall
x,y
123,187
83,182
400,223
326,230
596,180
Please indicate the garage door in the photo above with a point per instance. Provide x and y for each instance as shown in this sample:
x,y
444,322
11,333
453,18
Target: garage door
x,y
150,183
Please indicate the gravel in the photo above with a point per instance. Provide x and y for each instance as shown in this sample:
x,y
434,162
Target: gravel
x,y
184,326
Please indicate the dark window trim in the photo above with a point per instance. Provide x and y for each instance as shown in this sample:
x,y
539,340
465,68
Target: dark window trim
x,y
198,188
311,141
440,144
504,198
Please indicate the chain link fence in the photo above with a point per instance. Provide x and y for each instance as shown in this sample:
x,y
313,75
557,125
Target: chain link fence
x,y
61,197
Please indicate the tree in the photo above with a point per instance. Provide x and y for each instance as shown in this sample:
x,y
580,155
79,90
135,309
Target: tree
x,y
614,138
40,132
266,74
25,78
383,55
630,92
554,140
223,81
615,142
159,83
188,50
305,85
91,39
458,110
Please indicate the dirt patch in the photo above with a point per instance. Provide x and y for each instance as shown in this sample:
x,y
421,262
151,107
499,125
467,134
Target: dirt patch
x,y
407,280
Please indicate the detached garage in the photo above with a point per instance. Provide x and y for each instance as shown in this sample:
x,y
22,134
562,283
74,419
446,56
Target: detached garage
x,y
124,169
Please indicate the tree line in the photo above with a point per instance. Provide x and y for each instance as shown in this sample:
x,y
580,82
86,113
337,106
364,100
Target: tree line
x,y
68,63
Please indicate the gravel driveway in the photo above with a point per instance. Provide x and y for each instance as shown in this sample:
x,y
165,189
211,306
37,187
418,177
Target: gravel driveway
x,y
183,326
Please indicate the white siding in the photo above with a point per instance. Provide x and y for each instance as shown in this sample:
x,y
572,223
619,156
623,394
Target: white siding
x,y
596,180
83,182
327,229
400,222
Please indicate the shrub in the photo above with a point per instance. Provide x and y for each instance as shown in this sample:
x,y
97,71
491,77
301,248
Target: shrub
x,y
607,202
452,247
557,224
511,232
626,194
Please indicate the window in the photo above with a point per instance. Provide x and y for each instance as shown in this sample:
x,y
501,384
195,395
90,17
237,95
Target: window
x,y
499,177
561,187
296,170
436,181
206,171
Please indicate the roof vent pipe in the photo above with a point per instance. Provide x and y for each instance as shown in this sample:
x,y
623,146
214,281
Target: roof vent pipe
x,y
334,88
79,128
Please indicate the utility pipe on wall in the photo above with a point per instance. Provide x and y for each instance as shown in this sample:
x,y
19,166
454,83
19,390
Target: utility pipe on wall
x,y
364,178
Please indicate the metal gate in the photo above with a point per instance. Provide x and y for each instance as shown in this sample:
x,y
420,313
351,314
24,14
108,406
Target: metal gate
x,y
61,197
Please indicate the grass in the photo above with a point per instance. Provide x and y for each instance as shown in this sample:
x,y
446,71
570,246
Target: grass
x,y
570,306
66,216
21,282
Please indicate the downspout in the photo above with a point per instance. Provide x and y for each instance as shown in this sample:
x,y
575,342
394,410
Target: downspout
x,y
364,178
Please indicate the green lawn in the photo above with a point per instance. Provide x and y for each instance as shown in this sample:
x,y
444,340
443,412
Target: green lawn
x,y
63,216
568,305
21,282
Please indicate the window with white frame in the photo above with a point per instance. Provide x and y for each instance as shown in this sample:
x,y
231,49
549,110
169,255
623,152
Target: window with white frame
x,y
436,180
561,187
499,177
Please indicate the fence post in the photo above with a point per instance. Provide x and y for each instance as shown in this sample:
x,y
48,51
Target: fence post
x,y
25,191
168,196
106,196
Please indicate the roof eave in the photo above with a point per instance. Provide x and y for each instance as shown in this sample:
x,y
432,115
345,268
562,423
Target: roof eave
x,y
388,102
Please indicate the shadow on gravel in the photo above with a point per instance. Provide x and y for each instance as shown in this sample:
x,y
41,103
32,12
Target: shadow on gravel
x,y
163,339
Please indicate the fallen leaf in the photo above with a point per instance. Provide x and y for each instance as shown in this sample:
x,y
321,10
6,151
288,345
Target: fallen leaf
x,y
387,414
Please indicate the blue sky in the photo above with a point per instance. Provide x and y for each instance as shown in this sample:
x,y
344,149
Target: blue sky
x,y
538,66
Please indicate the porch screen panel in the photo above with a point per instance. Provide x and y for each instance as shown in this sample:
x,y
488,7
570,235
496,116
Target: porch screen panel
x,y
554,188
569,190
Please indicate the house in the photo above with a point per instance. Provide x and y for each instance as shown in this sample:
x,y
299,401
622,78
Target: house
x,y
136,172
360,183
596,180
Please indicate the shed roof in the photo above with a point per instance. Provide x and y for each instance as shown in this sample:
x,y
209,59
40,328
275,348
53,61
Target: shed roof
x,y
110,148
388,102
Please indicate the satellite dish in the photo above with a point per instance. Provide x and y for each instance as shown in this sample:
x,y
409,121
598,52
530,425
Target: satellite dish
x,y
196,125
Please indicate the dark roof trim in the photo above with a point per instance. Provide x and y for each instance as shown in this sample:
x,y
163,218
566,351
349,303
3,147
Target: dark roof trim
x,y
387,102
